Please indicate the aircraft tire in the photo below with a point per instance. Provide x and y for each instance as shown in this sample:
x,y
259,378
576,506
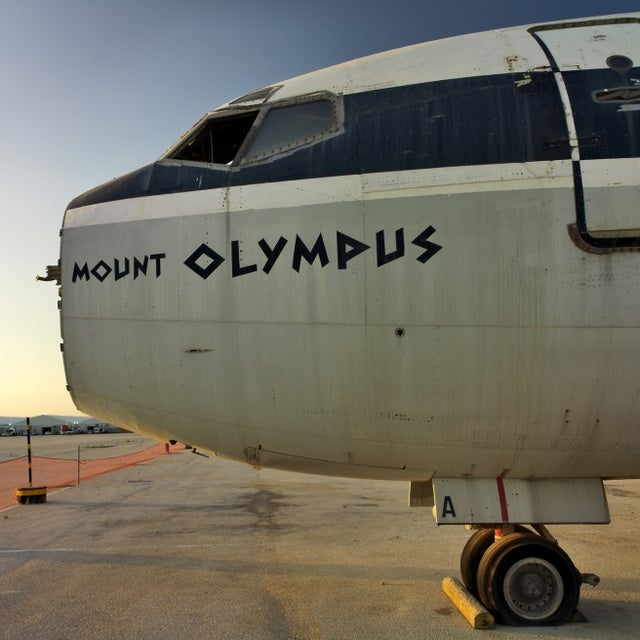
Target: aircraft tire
x,y
527,580
472,553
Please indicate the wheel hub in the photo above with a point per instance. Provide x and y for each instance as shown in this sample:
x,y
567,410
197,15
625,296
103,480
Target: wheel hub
x,y
533,588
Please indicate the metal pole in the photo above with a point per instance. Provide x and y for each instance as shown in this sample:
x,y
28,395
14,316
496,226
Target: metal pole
x,y
29,451
78,464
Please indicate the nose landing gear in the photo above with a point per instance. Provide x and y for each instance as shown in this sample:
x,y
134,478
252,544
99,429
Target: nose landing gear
x,y
522,578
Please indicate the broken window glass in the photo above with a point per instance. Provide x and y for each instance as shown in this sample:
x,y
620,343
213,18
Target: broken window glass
x,y
218,140
222,136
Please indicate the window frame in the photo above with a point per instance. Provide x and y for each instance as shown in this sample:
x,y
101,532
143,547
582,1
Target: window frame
x,y
337,125
240,159
199,127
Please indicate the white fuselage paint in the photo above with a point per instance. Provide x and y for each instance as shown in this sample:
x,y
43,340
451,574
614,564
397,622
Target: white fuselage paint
x,y
519,349
508,349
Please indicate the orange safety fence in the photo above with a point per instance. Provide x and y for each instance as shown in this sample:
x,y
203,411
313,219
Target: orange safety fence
x,y
60,472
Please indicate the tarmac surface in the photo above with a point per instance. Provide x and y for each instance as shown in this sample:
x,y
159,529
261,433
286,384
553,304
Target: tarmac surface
x,y
91,445
191,547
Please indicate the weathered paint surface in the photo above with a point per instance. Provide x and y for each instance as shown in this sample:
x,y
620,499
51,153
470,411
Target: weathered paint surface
x,y
380,323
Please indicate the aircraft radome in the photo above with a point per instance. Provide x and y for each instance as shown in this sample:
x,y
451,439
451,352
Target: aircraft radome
x,y
421,265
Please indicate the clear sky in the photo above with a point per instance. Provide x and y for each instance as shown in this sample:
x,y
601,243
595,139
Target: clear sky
x,y
91,89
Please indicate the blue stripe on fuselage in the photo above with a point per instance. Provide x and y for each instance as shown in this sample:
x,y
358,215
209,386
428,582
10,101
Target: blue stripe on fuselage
x,y
508,118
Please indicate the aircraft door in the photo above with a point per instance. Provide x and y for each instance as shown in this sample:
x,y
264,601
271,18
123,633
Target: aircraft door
x,y
597,69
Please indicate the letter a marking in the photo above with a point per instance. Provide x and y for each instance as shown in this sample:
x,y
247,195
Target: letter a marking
x,y
447,508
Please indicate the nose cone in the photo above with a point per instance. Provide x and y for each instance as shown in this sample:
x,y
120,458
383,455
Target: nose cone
x,y
131,185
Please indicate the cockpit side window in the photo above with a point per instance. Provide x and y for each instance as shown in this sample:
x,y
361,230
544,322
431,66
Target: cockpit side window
x,y
217,140
292,125
245,135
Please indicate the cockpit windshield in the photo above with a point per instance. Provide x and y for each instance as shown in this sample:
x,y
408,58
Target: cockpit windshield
x,y
217,140
241,135
292,125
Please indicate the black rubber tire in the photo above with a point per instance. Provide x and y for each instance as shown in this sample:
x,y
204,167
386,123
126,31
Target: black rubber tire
x,y
527,580
472,553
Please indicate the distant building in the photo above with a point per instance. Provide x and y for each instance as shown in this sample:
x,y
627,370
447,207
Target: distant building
x,y
60,425
91,425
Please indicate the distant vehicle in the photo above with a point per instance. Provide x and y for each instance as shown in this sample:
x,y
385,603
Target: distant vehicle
x,y
420,265
7,431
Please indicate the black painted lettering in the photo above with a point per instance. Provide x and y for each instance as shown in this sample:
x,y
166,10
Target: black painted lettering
x,y
447,508
431,248
140,267
204,270
271,254
101,271
157,257
317,251
125,272
348,248
382,256
236,268
80,272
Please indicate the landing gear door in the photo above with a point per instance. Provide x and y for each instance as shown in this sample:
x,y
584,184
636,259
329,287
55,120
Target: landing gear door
x,y
541,500
597,69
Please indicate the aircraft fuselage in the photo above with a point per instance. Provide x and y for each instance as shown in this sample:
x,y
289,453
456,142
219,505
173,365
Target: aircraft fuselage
x,y
422,263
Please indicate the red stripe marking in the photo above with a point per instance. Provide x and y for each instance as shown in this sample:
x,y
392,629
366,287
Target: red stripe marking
x,y
504,509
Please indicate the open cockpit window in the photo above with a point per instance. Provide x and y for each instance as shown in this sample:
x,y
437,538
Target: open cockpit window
x,y
217,140
232,136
